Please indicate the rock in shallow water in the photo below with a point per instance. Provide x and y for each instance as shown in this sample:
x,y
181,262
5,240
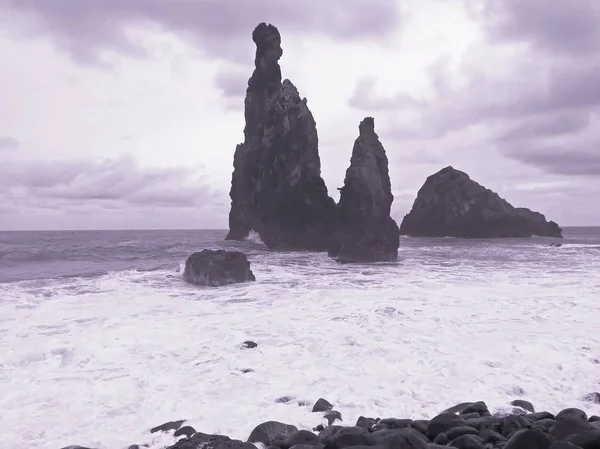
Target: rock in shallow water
x,y
213,268
365,232
450,204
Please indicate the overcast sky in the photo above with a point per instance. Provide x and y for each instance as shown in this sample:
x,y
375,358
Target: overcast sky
x,y
125,113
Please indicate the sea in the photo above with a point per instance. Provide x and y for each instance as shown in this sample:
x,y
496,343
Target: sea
x,y
101,339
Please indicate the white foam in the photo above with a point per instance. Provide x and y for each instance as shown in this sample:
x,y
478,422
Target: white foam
x,y
97,362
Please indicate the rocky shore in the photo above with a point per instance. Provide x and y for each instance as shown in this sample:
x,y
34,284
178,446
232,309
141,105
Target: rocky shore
x,y
468,425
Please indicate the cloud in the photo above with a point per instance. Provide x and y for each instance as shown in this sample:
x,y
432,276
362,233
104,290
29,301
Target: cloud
x,y
118,181
8,143
86,28
525,87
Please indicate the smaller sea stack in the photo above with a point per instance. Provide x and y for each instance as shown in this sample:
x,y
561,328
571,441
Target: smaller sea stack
x,y
365,231
450,204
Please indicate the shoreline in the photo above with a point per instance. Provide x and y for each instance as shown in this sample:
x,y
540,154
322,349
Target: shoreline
x,y
468,425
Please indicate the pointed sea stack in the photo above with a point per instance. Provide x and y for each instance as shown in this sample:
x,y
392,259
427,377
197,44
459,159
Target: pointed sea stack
x,y
450,204
276,187
365,231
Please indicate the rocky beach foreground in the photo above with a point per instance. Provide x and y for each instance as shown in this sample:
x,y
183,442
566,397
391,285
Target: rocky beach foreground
x,y
468,425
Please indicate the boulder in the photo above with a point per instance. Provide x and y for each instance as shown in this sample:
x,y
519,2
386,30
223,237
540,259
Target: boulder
x,y
365,232
276,186
450,204
213,268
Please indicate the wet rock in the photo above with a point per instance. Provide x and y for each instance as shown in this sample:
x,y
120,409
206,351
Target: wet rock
x,y
525,405
247,370
249,344
284,400
276,186
205,441
528,439
76,447
441,439
563,445
214,268
268,431
513,423
168,426
367,423
407,438
450,204
365,232
467,441
483,422
442,423
420,425
567,426
544,424
571,413
539,415
348,436
303,403
490,436
394,423
301,437
187,431
322,405
319,428
586,440
328,432
331,416
460,431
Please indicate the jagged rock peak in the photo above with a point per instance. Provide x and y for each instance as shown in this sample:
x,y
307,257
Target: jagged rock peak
x,y
276,187
268,43
451,204
365,231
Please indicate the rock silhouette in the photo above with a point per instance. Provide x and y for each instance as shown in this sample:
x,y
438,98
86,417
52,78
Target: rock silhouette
x,y
365,232
276,187
213,268
451,204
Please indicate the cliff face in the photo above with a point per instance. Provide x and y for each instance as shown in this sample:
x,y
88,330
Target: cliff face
x,y
365,232
450,204
276,187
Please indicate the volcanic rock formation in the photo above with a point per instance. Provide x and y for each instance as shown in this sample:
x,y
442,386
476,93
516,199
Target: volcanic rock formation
x,y
365,232
450,204
213,268
276,187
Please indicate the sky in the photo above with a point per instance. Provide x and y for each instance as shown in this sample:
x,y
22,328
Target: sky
x,y
125,114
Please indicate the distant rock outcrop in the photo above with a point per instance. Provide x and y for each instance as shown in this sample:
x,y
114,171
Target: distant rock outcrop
x,y
276,187
365,232
450,204
213,268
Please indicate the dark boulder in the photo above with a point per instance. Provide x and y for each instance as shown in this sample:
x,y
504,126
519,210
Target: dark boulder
x,y
270,431
213,268
365,232
276,186
322,405
451,204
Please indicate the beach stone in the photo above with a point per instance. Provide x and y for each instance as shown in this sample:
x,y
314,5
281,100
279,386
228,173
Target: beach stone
x,y
268,431
528,439
407,438
460,431
331,416
349,436
168,426
301,437
442,423
420,425
441,439
203,440
525,405
328,432
571,413
367,423
394,423
250,344
537,416
566,427
543,424
490,436
322,405
513,423
586,440
467,441
188,431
